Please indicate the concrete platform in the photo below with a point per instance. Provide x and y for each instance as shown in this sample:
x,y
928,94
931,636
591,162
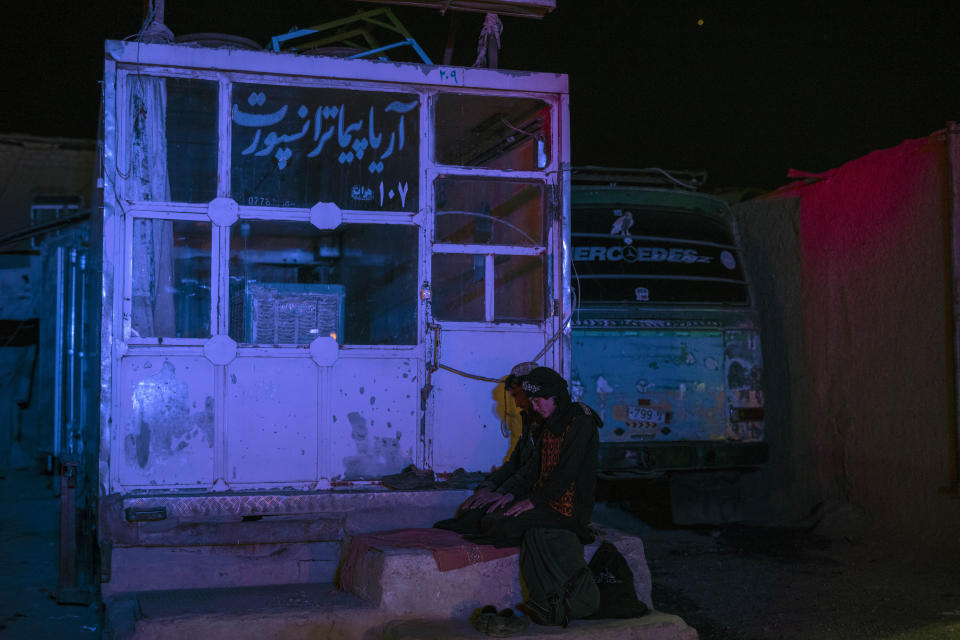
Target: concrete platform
x,y
384,577
321,612
275,579
224,541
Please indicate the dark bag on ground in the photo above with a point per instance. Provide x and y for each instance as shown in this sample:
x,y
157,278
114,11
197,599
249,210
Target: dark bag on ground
x,y
559,584
614,580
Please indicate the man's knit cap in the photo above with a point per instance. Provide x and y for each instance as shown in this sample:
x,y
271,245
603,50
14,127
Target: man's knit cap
x,y
544,382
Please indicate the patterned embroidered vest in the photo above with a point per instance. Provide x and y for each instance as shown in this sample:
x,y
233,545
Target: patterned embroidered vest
x,y
549,457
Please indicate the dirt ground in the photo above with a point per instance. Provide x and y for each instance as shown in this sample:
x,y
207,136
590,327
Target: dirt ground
x,y
740,582
29,525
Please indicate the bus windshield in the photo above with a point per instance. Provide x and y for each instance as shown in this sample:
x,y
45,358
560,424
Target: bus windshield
x,y
627,254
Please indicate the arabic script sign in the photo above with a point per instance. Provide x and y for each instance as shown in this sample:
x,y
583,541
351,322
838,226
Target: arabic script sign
x,y
296,146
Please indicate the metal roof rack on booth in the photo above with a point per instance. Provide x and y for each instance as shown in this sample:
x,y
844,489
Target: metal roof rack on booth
x,y
516,8
488,44
348,32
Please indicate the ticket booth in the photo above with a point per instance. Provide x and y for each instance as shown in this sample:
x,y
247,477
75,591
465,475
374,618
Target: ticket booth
x,y
310,264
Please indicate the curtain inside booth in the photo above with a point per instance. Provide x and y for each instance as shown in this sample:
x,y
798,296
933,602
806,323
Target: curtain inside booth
x,y
152,284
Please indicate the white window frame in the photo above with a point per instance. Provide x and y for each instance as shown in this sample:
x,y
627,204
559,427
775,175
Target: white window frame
x,y
546,177
429,172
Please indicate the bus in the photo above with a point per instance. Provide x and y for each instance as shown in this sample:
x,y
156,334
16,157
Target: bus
x,y
665,337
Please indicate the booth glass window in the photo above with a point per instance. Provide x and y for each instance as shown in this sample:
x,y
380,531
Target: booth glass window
x,y
489,229
171,139
291,283
170,287
518,290
477,211
494,132
296,146
458,286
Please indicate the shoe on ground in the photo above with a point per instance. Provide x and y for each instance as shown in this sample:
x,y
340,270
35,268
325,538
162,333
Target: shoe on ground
x,y
410,479
480,618
507,623
539,615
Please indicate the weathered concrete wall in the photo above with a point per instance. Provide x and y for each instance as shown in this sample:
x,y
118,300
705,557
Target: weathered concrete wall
x,y
32,165
877,335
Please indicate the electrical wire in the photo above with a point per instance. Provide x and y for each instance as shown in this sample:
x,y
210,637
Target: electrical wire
x,y
489,217
472,376
504,428
504,122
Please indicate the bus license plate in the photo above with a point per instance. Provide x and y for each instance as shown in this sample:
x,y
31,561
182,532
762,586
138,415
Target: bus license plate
x,y
645,414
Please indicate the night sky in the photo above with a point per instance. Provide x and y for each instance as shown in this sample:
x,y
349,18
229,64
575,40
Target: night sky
x,y
745,89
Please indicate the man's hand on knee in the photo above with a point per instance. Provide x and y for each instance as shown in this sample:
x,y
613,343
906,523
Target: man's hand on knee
x,y
520,507
483,496
502,501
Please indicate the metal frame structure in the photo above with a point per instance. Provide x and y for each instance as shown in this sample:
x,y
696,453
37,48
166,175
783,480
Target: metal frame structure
x,y
515,8
344,31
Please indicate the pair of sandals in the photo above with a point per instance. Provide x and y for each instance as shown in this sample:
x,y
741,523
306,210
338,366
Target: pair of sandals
x,y
499,624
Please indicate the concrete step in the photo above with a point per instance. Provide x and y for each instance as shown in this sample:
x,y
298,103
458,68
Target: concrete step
x,y
277,611
653,626
407,581
322,612
223,541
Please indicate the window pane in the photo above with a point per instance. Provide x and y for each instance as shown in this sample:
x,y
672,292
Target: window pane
x,y
172,139
477,211
192,139
171,279
491,131
296,146
291,282
518,290
458,286
624,255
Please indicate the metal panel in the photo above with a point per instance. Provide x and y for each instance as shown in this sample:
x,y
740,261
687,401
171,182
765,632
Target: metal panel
x,y
271,420
468,434
516,8
652,386
110,289
219,506
166,435
374,419
192,58
58,352
563,292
